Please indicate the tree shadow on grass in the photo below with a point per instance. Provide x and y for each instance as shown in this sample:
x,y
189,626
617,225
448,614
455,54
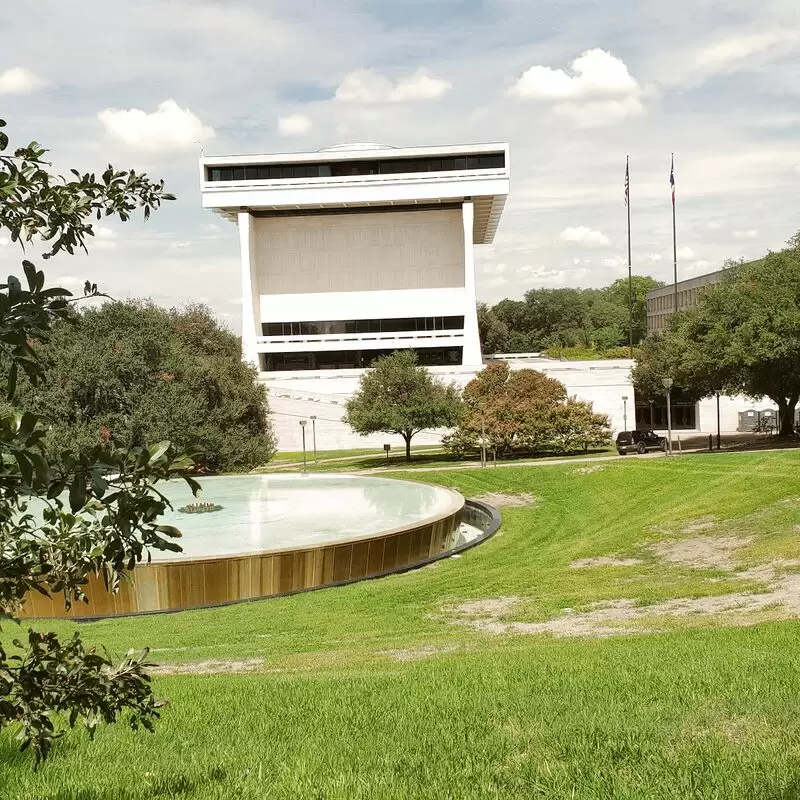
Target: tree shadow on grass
x,y
791,791
174,785
169,786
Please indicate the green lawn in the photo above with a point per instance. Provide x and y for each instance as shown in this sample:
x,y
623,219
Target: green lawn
x,y
296,456
421,458
388,689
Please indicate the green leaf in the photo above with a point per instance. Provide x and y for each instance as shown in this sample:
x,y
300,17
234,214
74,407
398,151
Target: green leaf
x,y
11,386
170,530
30,274
25,466
158,451
27,425
77,492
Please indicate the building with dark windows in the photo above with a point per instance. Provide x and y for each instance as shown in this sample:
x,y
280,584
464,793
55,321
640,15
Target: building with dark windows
x,y
661,302
353,252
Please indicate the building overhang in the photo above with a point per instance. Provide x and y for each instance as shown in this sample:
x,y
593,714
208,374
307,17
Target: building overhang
x,y
486,188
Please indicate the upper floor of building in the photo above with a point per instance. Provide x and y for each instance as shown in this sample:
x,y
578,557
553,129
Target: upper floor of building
x,y
661,302
363,176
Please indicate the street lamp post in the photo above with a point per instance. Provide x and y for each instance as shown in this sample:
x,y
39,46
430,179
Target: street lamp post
x,y
652,416
667,382
314,435
303,423
625,412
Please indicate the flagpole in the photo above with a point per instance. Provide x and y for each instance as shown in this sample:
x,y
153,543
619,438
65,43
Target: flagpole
x,y
630,274
674,240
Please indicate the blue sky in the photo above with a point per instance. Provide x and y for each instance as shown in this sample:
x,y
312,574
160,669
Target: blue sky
x,y
573,86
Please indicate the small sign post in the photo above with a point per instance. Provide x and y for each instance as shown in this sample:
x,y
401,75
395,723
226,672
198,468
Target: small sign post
x,y
387,448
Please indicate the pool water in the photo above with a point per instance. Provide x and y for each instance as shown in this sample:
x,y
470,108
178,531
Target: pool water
x,y
280,512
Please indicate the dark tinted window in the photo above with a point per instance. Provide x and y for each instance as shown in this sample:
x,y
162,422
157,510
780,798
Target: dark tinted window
x,y
389,166
354,359
351,326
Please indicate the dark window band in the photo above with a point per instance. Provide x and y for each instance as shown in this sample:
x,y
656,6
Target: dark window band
x,y
331,327
354,359
391,166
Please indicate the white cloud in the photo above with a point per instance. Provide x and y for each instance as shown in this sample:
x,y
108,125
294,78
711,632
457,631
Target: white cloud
x,y
294,125
103,238
727,55
494,269
19,80
700,264
607,112
169,128
748,234
685,253
5,241
714,225
420,86
496,281
598,74
179,245
613,262
654,257
585,236
370,86
600,91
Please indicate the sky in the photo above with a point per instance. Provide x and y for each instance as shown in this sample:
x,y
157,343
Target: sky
x,y
574,86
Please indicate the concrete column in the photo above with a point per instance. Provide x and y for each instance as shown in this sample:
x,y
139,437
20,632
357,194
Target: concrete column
x,y
472,343
251,311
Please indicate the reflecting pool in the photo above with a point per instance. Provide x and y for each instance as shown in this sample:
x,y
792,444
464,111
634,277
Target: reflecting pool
x,y
280,512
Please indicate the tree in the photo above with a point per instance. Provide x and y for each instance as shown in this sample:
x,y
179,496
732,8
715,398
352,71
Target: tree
x,y
100,506
575,426
139,374
618,294
508,407
523,411
552,319
493,331
742,337
397,396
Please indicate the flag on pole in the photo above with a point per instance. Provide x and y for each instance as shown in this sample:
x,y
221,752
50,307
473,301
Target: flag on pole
x,y
627,182
672,178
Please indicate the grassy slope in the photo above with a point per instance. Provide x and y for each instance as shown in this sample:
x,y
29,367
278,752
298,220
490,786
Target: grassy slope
x,y
420,460
699,711
293,456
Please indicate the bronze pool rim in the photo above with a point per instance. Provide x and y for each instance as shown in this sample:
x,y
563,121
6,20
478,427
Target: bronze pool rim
x,y
473,511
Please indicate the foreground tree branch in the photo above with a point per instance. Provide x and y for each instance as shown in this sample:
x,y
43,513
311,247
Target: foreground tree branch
x,y
64,519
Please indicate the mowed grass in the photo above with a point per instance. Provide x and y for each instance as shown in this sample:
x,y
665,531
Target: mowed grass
x,y
373,690
292,456
434,457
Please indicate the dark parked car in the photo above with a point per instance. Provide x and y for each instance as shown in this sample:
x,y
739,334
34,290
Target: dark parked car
x,y
639,442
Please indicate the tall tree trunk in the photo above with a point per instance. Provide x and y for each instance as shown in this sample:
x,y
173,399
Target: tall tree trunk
x,y
407,436
786,408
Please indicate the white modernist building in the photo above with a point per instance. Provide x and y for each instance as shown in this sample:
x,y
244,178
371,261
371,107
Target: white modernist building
x,y
356,251
353,252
